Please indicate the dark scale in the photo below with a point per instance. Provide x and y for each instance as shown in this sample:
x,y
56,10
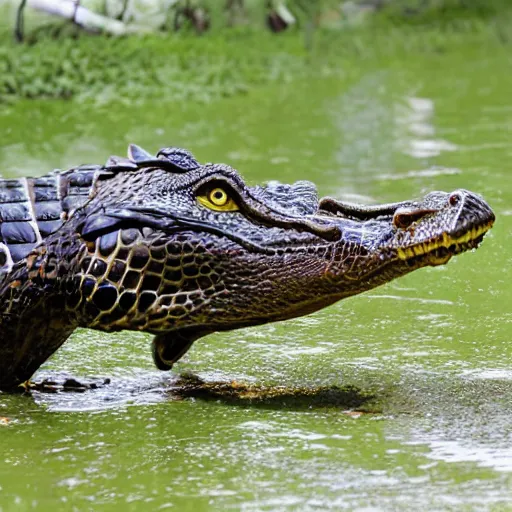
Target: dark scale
x,y
87,286
12,191
131,279
204,282
199,301
105,296
123,253
15,212
189,285
199,249
187,248
181,298
18,233
139,257
108,243
146,300
174,276
168,289
188,259
128,236
166,301
157,267
158,253
48,210
191,271
127,300
173,263
151,282
194,296
205,269
98,268
173,249
85,264
116,272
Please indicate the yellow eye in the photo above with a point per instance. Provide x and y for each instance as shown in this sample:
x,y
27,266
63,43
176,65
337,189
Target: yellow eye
x,y
217,199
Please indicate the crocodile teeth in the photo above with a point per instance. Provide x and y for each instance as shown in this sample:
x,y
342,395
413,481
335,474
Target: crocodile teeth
x,y
445,245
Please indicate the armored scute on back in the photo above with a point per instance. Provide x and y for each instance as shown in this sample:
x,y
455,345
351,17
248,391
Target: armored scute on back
x,y
165,245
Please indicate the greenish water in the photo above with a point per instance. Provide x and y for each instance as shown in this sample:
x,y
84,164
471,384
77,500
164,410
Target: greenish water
x,y
434,348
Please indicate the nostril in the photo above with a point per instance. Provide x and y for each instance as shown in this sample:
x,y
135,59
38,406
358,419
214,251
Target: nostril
x,y
401,220
454,199
404,217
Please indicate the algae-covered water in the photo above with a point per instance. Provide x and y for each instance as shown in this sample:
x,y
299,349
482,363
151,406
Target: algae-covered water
x,y
427,358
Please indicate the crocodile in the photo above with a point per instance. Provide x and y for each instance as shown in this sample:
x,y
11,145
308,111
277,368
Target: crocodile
x,y
168,246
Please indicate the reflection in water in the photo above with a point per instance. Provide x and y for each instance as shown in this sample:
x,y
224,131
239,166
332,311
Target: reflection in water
x,y
416,131
145,388
423,173
453,451
362,115
140,388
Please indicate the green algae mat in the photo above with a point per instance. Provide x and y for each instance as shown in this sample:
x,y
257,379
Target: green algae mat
x,y
398,399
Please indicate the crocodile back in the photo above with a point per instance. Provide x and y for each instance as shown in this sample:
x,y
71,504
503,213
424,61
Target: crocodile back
x,y
33,208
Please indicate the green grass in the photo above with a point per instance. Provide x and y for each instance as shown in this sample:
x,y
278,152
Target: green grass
x,y
224,63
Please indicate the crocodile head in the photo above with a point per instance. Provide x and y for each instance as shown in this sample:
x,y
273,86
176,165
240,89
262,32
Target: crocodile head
x,y
181,250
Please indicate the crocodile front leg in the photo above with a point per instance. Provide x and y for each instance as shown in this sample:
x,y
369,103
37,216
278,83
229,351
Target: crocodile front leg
x,y
168,348
30,332
35,317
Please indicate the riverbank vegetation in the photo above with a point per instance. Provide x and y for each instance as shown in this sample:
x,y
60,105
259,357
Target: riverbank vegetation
x,y
67,63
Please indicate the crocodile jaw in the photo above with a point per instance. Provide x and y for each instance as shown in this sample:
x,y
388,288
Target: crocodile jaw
x,y
440,250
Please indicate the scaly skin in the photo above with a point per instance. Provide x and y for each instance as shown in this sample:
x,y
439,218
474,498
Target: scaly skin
x,y
155,247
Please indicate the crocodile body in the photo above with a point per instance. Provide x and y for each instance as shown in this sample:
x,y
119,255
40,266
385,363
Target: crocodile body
x,y
165,245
